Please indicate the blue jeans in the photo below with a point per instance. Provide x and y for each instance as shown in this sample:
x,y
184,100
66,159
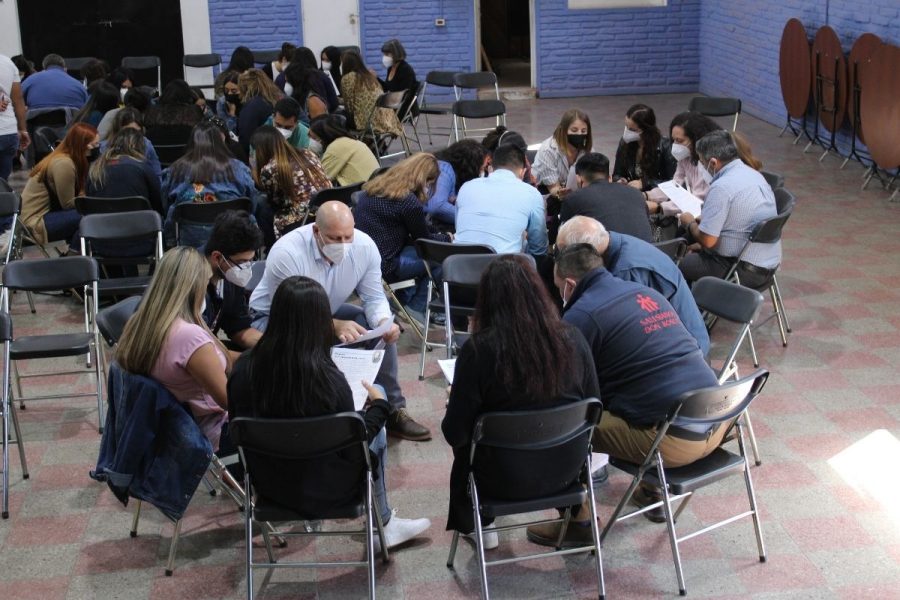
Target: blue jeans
x,y
9,145
410,266
378,446
63,225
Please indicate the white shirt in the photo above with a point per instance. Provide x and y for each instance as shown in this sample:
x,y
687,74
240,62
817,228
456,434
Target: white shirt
x,y
9,74
297,253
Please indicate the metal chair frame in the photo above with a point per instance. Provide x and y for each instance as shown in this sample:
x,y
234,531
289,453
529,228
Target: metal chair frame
x,y
8,410
143,63
711,106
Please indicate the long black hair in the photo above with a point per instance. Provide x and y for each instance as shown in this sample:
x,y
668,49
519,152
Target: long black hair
x,y
466,157
291,368
695,127
329,128
334,57
515,315
241,59
104,97
646,153
207,157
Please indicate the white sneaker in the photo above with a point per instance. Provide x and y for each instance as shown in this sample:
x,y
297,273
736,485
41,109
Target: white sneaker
x,y
4,241
488,535
398,531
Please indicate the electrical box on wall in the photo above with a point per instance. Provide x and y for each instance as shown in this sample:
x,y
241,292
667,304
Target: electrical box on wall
x,y
441,22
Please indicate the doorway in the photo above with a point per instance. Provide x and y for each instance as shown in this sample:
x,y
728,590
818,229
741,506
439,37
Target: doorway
x,y
506,40
332,23
105,29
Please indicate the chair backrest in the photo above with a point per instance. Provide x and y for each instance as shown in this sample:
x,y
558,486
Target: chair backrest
x,y
674,248
206,212
769,230
341,194
478,109
784,200
474,80
727,300
343,49
111,321
441,78
257,270
775,180
141,62
466,269
121,226
45,140
169,153
77,63
392,100
720,403
533,453
262,57
10,203
436,252
200,61
6,328
4,186
715,107
50,274
91,205
305,443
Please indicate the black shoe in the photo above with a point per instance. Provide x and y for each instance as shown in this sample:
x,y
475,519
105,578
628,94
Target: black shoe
x,y
578,534
645,497
401,425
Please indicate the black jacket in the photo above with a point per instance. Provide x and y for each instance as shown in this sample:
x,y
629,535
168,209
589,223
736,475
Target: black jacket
x,y
626,166
620,208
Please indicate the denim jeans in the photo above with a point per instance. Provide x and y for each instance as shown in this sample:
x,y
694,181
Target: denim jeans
x,y
410,266
9,145
63,225
378,446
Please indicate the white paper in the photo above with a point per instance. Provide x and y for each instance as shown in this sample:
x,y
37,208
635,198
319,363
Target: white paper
x,y
448,366
358,366
372,334
682,198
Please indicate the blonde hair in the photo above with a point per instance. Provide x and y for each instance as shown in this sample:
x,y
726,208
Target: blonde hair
x,y
560,134
254,82
745,153
410,176
176,291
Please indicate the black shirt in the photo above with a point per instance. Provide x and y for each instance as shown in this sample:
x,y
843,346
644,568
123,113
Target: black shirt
x,y
127,177
253,114
229,312
627,166
620,208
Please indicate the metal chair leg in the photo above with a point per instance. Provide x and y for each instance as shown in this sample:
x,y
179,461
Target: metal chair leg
x,y
453,545
479,538
19,440
170,565
137,517
751,494
18,379
30,297
752,348
670,524
595,532
6,410
752,437
371,513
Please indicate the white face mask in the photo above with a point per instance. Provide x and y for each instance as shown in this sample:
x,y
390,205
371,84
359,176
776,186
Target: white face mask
x,y
562,294
285,133
326,66
680,151
315,146
122,92
288,89
705,173
387,61
239,275
335,252
631,136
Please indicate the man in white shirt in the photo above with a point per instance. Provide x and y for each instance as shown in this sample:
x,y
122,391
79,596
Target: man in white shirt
x,y
13,132
343,260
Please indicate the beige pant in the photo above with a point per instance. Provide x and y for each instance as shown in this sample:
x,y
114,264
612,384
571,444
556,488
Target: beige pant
x,y
616,437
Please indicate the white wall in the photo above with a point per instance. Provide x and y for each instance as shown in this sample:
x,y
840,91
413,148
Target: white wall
x,y
197,40
10,40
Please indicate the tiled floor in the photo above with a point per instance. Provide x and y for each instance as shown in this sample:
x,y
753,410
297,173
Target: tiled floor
x,y
826,426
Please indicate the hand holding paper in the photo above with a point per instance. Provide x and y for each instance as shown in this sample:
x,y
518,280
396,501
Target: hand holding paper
x,y
685,200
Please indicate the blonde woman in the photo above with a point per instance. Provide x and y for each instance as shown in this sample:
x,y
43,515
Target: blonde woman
x,y
167,340
258,97
289,177
123,170
360,90
391,210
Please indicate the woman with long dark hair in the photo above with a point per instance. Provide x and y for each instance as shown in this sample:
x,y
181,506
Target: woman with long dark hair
x,y
303,72
122,170
176,108
458,163
521,356
104,98
331,65
289,374
258,98
346,159
360,90
289,177
644,157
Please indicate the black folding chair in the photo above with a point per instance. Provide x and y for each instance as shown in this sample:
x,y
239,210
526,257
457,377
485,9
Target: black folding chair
x,y
675,248
142,63
48,275
774,180
765,232
122,239
170,142
92,205
264,57
76,64
476,109
204,213
111,320
10,205
434,253
436,79
8,409
784,200
720,406
738,304
513,448
305,444
380,142
717,107
202,61
341,194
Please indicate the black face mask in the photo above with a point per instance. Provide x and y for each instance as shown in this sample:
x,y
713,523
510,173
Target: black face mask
x,y
93,155
577,140
233,98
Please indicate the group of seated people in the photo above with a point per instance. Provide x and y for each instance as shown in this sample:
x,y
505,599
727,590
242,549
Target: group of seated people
x,y
572,323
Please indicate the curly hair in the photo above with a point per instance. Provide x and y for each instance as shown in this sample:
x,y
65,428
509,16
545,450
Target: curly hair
x,y
466,157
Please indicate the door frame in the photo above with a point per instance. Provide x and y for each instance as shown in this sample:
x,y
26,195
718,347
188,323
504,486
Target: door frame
x,y
532,34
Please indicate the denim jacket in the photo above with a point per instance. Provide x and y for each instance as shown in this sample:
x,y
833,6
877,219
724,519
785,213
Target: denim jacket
x,y
151,448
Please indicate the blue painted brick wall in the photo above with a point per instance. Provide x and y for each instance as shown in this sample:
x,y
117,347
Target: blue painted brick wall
x,y
429,48
740,45
257,24
588,52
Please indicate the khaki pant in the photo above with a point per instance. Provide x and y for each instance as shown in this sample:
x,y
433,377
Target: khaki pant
x,y
616,437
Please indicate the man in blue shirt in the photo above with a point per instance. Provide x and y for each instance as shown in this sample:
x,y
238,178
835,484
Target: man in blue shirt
x,y
502,211
53,87
632,259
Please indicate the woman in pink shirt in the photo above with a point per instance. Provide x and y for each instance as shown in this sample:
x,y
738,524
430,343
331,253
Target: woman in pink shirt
x,y
167,340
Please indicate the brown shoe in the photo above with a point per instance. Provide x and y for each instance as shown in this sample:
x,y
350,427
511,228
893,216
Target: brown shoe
x,y
401,425
645,496
578,534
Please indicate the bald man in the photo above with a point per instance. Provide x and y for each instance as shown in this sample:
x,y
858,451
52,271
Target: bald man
x,y
631,259
343,260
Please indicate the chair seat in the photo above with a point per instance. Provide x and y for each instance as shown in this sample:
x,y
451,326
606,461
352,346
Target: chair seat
x,y
266,510
436,109
123,286
50,346
571,496
719,464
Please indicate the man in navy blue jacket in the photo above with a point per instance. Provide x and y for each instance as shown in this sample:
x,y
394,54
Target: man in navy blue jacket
x,y
645,361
